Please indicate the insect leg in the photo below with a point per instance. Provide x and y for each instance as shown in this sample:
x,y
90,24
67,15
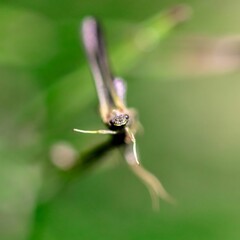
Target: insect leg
x,y
132,137
153,185
95,131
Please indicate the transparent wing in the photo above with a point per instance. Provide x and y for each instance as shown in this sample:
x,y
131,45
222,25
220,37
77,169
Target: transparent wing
x,y
96,52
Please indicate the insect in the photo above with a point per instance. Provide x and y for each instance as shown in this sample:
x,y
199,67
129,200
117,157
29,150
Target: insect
x,y
121,122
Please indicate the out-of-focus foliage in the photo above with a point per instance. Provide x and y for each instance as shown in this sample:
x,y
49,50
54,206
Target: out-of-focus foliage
x,y
184,81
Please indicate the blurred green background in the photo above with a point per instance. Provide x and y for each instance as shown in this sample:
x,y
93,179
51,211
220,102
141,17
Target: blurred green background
x,y
182,77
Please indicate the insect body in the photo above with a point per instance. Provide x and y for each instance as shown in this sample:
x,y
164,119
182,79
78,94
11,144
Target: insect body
x,y
120,120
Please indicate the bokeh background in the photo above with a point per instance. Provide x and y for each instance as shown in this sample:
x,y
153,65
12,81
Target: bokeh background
x,y
182,69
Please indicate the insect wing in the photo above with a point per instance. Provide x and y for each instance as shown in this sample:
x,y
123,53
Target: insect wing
x,y
121,89
96,52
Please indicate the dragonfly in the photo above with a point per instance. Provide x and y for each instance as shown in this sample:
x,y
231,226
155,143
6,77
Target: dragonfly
x,y
121,121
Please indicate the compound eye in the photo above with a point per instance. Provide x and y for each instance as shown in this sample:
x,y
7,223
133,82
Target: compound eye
x,y
119,120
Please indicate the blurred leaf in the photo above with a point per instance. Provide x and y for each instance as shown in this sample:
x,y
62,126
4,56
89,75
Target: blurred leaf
x,y
27,38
